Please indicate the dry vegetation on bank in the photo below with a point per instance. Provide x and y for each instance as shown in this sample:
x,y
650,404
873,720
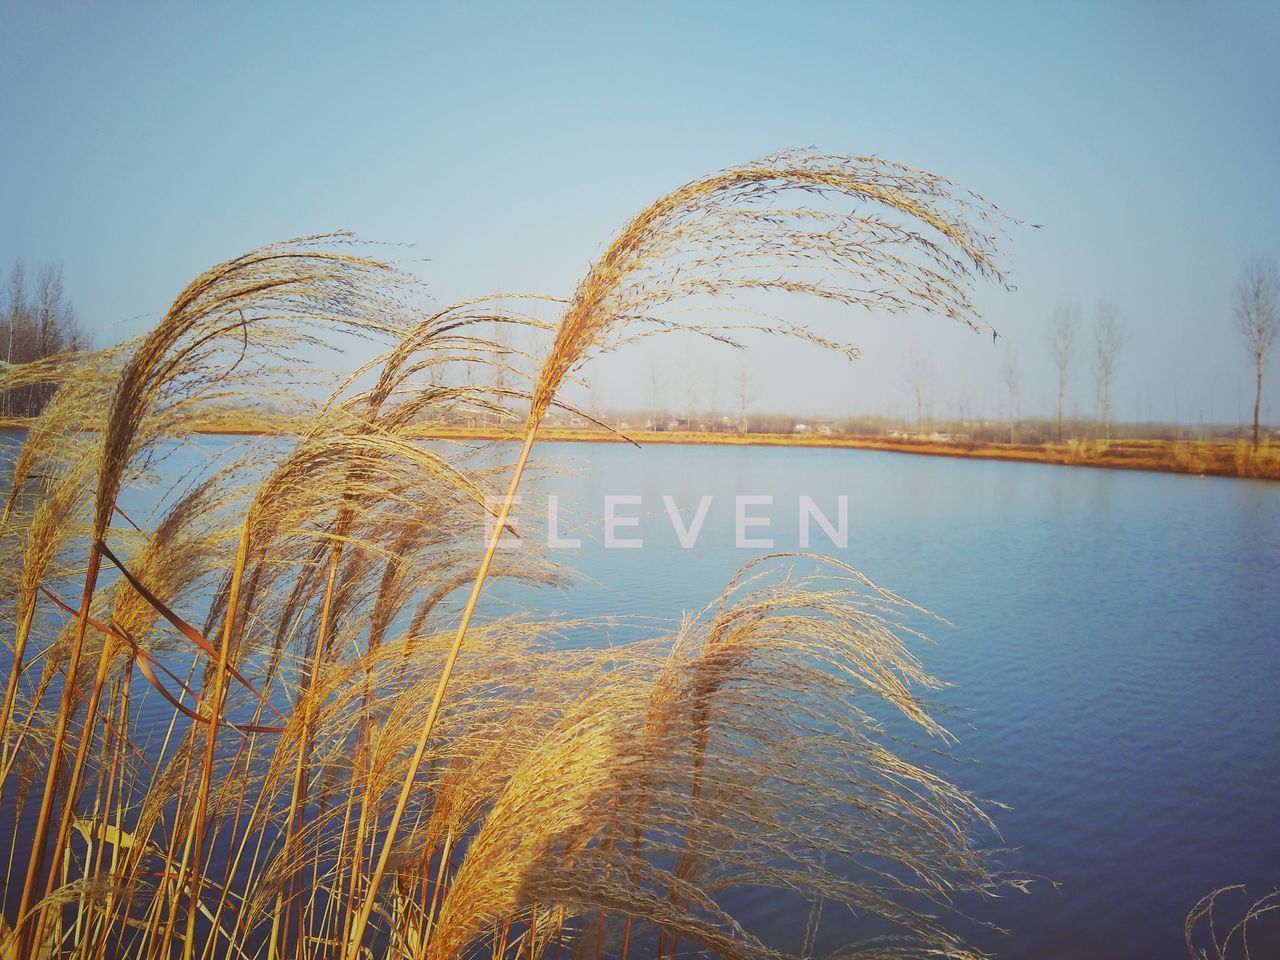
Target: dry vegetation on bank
x,y
1206,458
1217,458
1200,457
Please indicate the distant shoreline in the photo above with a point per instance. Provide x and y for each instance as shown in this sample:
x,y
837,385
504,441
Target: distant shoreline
x,y
1195,457
1219,458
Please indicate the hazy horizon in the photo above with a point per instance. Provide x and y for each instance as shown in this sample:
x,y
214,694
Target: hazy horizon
x,y
504,146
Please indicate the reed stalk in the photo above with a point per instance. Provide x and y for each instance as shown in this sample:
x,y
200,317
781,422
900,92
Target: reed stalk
x,y
221,673
446,672
26,936
542,792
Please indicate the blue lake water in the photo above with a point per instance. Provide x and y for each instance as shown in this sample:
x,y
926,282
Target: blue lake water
x,y
1115,652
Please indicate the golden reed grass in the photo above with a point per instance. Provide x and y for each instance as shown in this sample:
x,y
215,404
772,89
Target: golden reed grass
x,y
1208,938
256,725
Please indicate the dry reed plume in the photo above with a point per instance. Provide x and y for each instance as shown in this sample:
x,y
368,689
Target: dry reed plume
x,y
1232,942
225,726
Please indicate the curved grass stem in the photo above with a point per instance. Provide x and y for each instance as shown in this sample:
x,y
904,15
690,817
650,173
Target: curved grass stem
x,y
352,946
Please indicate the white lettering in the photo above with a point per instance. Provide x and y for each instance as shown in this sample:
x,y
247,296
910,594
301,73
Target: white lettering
x,y
743,521
809,509
688,536
612,521
492,504
554,540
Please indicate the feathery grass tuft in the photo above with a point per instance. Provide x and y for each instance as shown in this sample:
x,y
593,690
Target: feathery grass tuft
x,y
225,732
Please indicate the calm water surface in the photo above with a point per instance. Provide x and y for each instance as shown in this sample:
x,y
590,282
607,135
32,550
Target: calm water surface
x,y
1115,654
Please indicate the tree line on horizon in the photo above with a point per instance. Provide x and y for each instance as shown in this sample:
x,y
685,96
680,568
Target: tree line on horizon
x,y
37,321
1255,303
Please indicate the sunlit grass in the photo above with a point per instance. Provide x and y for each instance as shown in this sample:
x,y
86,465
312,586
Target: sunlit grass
x,y
343,766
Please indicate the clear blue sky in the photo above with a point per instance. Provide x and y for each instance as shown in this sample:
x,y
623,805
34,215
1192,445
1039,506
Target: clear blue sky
x,y
507,143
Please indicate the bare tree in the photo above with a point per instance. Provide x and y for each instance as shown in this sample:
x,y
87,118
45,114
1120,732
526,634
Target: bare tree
x,y
746,390
16,320
1109,338
36,324
690,375
1012,383
655,393
713,400
15,305
1256,295
55,319
919,373
964,406
1063,328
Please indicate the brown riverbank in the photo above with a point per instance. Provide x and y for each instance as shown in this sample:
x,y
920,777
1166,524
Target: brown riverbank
x,y
1199,457
1196,457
